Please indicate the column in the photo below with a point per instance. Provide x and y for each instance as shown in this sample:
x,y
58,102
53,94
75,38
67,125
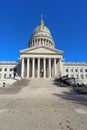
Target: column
x,y
40,41
49,67
33,68
49,43
38,67
22,68
55,66
37,42
44,67
28,71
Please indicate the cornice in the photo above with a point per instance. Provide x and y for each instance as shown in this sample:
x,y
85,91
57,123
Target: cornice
x,y
75,63
8,63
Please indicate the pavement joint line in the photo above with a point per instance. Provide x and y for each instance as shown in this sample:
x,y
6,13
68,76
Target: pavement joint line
x,y
80,111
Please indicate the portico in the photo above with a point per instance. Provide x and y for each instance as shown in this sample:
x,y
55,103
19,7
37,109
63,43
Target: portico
x,y
39,67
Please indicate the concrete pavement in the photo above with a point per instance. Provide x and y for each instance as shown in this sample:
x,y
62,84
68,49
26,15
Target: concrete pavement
x,y
40,105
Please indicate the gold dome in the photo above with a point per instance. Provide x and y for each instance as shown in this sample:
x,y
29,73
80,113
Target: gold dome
x,y
41,32
41,28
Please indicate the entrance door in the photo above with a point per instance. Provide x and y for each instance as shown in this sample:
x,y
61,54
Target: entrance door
x,y
41,74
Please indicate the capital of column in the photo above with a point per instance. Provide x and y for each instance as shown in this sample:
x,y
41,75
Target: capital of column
x,y
22,58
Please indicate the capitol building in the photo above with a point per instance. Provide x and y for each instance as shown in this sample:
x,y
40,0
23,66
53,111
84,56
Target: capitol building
x,y
42,60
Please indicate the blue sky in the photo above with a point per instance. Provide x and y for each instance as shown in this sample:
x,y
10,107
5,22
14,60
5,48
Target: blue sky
x,y
66,19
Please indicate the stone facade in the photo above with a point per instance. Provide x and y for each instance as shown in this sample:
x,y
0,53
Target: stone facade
x,y
7,69
42,60
76,69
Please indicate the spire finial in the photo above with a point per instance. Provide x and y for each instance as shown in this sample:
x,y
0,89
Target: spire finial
x,y
42,22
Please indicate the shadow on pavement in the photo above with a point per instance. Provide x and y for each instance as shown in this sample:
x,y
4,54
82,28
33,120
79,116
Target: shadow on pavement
x,y
75,98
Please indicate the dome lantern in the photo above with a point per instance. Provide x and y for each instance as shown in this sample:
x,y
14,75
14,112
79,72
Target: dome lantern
x,y
41,22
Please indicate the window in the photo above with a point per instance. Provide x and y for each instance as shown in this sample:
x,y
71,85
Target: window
x,y
81,76
71,70
77,76
85,70
4,76
76,70
9,75
72,75
5,69
67,75
10,69
66,70
81,70
86,76
31,44
15,69
0,69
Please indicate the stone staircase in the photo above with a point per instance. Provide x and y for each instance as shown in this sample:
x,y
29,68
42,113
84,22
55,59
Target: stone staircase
x,y
36,85
32,88
41,82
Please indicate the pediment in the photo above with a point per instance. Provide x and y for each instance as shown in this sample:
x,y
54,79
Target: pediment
x,y
41,50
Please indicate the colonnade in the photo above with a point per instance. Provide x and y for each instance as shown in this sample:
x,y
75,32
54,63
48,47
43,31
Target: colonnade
x,y
41,41
36,66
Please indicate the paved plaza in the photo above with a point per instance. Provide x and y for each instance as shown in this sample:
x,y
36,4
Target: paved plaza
x,y
38,104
